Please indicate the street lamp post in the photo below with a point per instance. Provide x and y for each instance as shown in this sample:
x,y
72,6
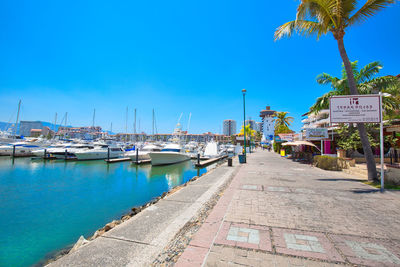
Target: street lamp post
x,y
244,123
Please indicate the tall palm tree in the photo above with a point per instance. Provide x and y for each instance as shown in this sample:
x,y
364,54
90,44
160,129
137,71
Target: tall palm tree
x,y
318,17
282,121
367,84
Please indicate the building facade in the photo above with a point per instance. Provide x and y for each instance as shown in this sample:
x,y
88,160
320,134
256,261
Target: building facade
x,y
252,124
25,127
268,124
259,127
229,127
81,132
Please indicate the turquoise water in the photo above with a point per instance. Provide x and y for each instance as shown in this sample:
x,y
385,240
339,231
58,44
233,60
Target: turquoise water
x,y
46,205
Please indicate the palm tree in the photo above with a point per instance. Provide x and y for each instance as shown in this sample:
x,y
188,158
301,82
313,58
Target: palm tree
x,y
318,17
282,120
366,83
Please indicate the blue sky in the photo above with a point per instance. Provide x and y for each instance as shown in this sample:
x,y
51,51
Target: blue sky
x,y
173,56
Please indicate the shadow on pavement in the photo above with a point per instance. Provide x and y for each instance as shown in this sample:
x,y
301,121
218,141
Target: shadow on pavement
x,y
365,191
339,179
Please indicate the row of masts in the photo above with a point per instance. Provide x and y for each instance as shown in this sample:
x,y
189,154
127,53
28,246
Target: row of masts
x,y
65,121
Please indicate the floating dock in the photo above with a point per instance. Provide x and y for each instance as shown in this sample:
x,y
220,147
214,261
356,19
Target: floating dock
x,y
145,161
209,161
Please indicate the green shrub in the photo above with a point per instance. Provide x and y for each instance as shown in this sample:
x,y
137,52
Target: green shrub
x,y
327,163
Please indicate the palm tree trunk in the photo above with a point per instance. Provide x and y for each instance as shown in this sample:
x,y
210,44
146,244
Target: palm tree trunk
x,y
369,157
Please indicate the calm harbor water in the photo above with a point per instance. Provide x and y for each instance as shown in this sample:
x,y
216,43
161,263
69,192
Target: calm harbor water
x,y
46,205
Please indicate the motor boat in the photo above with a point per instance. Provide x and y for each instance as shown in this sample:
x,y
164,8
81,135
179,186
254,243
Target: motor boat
x,y
21,149
170,154
40,152
143,153
103,151
68,152
192,148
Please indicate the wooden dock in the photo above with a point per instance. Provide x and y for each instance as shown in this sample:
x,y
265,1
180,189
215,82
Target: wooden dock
x,y
209,161
117,160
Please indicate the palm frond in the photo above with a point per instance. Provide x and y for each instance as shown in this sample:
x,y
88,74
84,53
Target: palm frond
x,y
368,71
370,8
326,78
302,27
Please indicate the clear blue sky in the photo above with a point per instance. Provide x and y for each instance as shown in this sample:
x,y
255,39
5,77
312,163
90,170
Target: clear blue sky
x,y
174,56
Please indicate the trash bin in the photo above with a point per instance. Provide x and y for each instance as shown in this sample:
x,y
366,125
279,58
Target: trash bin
x,y
242,158
230,162
283,152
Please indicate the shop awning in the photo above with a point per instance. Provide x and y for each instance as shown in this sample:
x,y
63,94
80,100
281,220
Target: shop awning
x,y
299,143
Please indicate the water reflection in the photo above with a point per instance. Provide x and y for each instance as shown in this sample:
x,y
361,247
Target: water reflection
x,y
47,204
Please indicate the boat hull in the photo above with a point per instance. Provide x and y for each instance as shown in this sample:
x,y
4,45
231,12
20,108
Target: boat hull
x,y
166,158
97,155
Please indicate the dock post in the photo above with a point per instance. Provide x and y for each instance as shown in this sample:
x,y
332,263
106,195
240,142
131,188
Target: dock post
x,y
137,155
108,154
198,158
45,153
65,154
13,153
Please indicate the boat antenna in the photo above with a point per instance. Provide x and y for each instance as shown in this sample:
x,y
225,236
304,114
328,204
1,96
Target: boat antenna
x,y
16,122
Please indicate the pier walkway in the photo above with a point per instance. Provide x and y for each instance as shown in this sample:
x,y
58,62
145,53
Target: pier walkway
x,y
273,212
280,213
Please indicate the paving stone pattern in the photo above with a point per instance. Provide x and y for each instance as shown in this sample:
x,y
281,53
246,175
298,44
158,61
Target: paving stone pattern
x,y
281,213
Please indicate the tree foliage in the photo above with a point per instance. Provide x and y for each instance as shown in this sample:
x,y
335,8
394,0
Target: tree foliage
x,y
282,122
367,84
349,138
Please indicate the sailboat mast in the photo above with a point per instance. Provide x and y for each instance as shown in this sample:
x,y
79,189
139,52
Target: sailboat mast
x,y
152,131
134,127
94,117
190,116
16,122
66,116
55,124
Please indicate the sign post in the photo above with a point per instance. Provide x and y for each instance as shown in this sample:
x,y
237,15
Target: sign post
x,y
359,109
382,152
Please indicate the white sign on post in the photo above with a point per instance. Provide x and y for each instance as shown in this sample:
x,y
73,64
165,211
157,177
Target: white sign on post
x,y
355,109
359,109
316,133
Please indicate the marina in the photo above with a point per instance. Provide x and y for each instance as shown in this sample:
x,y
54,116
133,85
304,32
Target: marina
x,y
51,203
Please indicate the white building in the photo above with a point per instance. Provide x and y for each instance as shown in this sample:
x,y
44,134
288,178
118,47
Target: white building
x,y
320,120
268,125
229,127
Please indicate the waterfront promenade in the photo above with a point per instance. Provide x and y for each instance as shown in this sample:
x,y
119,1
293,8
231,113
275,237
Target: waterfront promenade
x,y
268,212
280,213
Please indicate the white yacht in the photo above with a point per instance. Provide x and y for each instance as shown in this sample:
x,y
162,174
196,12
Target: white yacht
x,y
211,150
170,154
143,153
21,149
103,151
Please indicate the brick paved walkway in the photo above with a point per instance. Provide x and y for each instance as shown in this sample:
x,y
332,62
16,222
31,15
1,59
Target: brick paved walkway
x,y
280,213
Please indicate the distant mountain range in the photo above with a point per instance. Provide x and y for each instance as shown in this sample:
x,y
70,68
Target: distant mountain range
x,y
5,125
